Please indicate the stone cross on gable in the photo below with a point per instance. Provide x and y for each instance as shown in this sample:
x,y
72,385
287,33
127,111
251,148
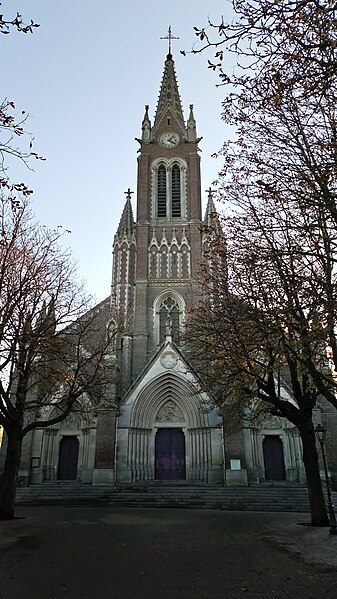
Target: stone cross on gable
x,y
128,193
169,37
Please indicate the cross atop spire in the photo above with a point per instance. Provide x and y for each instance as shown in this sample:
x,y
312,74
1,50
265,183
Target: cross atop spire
x,y
211,219
169,37
210,192
128,193
126,224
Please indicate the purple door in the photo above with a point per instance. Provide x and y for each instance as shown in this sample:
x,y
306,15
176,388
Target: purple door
x,y
170,454
68,458
273,458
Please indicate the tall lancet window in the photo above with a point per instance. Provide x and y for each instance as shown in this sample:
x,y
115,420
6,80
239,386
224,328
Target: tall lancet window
x,y
168,319
161,192
176,191
169,188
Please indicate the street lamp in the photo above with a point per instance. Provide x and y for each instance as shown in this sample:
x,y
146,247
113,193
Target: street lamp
x,y
320,433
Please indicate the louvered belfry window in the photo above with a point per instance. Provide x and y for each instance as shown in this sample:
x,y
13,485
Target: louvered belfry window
x,y
169,191
176,192
161,189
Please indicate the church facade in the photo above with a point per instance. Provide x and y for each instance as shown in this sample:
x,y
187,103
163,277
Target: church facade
x,y
157,423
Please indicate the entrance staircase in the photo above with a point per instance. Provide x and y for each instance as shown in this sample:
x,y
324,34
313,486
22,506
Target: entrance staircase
x,y
264,497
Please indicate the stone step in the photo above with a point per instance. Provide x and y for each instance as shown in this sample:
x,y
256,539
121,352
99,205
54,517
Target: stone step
x,y
255,498
209,492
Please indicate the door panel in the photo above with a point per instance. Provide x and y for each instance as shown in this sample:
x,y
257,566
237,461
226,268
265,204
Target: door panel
x,y
170,454
68,458
273,458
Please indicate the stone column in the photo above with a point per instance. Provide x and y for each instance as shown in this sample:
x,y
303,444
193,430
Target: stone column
x,y
104,471
249,437
49,453
37,470
214,439
235,463
104,464
24,470
88,453
3,450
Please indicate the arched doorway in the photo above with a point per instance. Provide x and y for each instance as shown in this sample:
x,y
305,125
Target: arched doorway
x,y
170,454
273,458
68,458
168,401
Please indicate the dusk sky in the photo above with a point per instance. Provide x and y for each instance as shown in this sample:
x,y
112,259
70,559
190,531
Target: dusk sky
x,y
84,77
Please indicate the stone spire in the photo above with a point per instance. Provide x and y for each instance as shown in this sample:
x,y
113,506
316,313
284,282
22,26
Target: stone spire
x,y
126,224
211,219
169,99
146,125
191,126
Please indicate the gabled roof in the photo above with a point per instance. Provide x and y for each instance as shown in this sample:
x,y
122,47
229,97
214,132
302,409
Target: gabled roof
x,y
167,390
166,349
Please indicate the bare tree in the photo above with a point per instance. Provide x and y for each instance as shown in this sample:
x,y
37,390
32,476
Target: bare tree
x,y
296,39
273,310
281,170
52,347
245,352
12,123
17,22
11,131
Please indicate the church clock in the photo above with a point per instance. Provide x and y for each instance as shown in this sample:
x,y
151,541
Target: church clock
x,y
169,140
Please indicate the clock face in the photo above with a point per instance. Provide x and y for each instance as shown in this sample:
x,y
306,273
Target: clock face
x,y
169,140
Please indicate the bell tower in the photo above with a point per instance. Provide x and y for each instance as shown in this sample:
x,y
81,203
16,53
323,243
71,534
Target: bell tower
x,y
167,231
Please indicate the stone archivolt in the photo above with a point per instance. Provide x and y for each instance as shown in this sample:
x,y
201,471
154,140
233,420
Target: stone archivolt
x,y
168,387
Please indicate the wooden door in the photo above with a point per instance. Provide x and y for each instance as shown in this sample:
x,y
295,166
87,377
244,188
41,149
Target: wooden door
x,y
273,458
170,454
68,458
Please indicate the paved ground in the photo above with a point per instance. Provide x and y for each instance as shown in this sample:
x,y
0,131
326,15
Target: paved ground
x,y
124,553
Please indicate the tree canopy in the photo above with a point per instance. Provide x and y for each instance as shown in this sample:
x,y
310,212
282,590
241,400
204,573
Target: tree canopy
x,y
267,317
12,122
278,182
54,347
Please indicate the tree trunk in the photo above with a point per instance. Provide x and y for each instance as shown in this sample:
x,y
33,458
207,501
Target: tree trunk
x,y
9,478
310,459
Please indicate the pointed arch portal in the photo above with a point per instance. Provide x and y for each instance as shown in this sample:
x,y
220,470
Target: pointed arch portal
x,y
169,436
166,387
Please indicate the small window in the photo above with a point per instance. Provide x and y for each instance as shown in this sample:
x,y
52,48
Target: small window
x,y
169,121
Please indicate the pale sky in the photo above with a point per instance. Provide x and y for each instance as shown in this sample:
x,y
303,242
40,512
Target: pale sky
x,y
84,77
